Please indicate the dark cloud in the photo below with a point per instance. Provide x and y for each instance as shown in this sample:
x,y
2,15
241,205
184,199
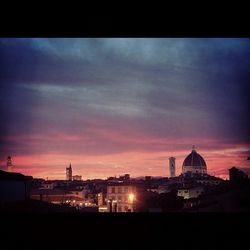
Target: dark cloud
x,y
158,88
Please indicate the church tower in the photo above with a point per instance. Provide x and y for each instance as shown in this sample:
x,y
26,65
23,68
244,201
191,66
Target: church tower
x,y
9,164
172,167
69,173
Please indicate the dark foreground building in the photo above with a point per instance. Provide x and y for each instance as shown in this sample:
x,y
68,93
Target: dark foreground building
x,y
14,187
236,174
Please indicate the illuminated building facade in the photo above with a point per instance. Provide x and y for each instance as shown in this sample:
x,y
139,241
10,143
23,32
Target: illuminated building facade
x,y
172,167
121,198
102,206
59,196
100,199
69,173
190,192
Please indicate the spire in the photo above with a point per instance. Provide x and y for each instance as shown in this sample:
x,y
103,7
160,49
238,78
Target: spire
x,y
70,165
193,148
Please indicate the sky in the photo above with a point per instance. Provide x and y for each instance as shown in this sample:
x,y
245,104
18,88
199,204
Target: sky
x,y
111,106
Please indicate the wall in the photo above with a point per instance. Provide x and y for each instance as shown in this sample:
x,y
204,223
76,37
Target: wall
x,y
12,191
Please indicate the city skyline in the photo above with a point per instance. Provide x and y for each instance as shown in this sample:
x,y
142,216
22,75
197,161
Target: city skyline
x,y
113,106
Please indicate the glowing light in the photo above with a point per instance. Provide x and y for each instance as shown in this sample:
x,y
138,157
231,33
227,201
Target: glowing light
x,y
131,197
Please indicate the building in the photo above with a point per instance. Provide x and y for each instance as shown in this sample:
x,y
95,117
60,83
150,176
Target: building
x,y
208,180
194,164
163,189
172,167
190,192
236,174
69,173
100,199
14,187
9,164
121,198
72,197
148,178
48,185
102,206
77,177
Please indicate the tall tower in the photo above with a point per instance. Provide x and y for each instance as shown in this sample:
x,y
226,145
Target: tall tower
x,y
69,173
172,166
9,164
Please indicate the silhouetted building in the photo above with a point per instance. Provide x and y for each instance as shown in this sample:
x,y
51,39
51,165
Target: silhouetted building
x,y
9,164
69,173
48,185
77,177
126,177
14,187
172,167
236,174
148,178
194,164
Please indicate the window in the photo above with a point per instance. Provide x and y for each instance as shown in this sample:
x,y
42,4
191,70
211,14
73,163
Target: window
x,y
119,199
113,190
126,189
119,190
119,209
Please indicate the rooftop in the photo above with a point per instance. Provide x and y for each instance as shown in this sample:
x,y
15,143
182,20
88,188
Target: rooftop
x,y
14,176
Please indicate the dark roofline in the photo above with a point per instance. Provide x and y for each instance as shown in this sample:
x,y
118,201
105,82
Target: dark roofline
x,y
14,176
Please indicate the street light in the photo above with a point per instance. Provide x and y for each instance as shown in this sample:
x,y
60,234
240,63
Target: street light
x,y
131,198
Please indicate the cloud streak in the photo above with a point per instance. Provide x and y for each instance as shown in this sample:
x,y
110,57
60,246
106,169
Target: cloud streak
x,y
106,97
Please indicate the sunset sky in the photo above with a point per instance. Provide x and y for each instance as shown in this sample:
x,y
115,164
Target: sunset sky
x,y
113,106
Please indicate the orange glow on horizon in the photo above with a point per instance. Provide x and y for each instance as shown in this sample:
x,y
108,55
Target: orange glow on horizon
x,y
136,164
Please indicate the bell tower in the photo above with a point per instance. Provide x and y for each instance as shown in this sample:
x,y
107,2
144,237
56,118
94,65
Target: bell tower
x,y
69,173
9,164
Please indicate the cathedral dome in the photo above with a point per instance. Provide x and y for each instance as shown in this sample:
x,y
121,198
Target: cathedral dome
x,y
194,163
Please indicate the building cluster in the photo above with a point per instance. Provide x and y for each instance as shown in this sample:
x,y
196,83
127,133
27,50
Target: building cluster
x,y
70,176
193,189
